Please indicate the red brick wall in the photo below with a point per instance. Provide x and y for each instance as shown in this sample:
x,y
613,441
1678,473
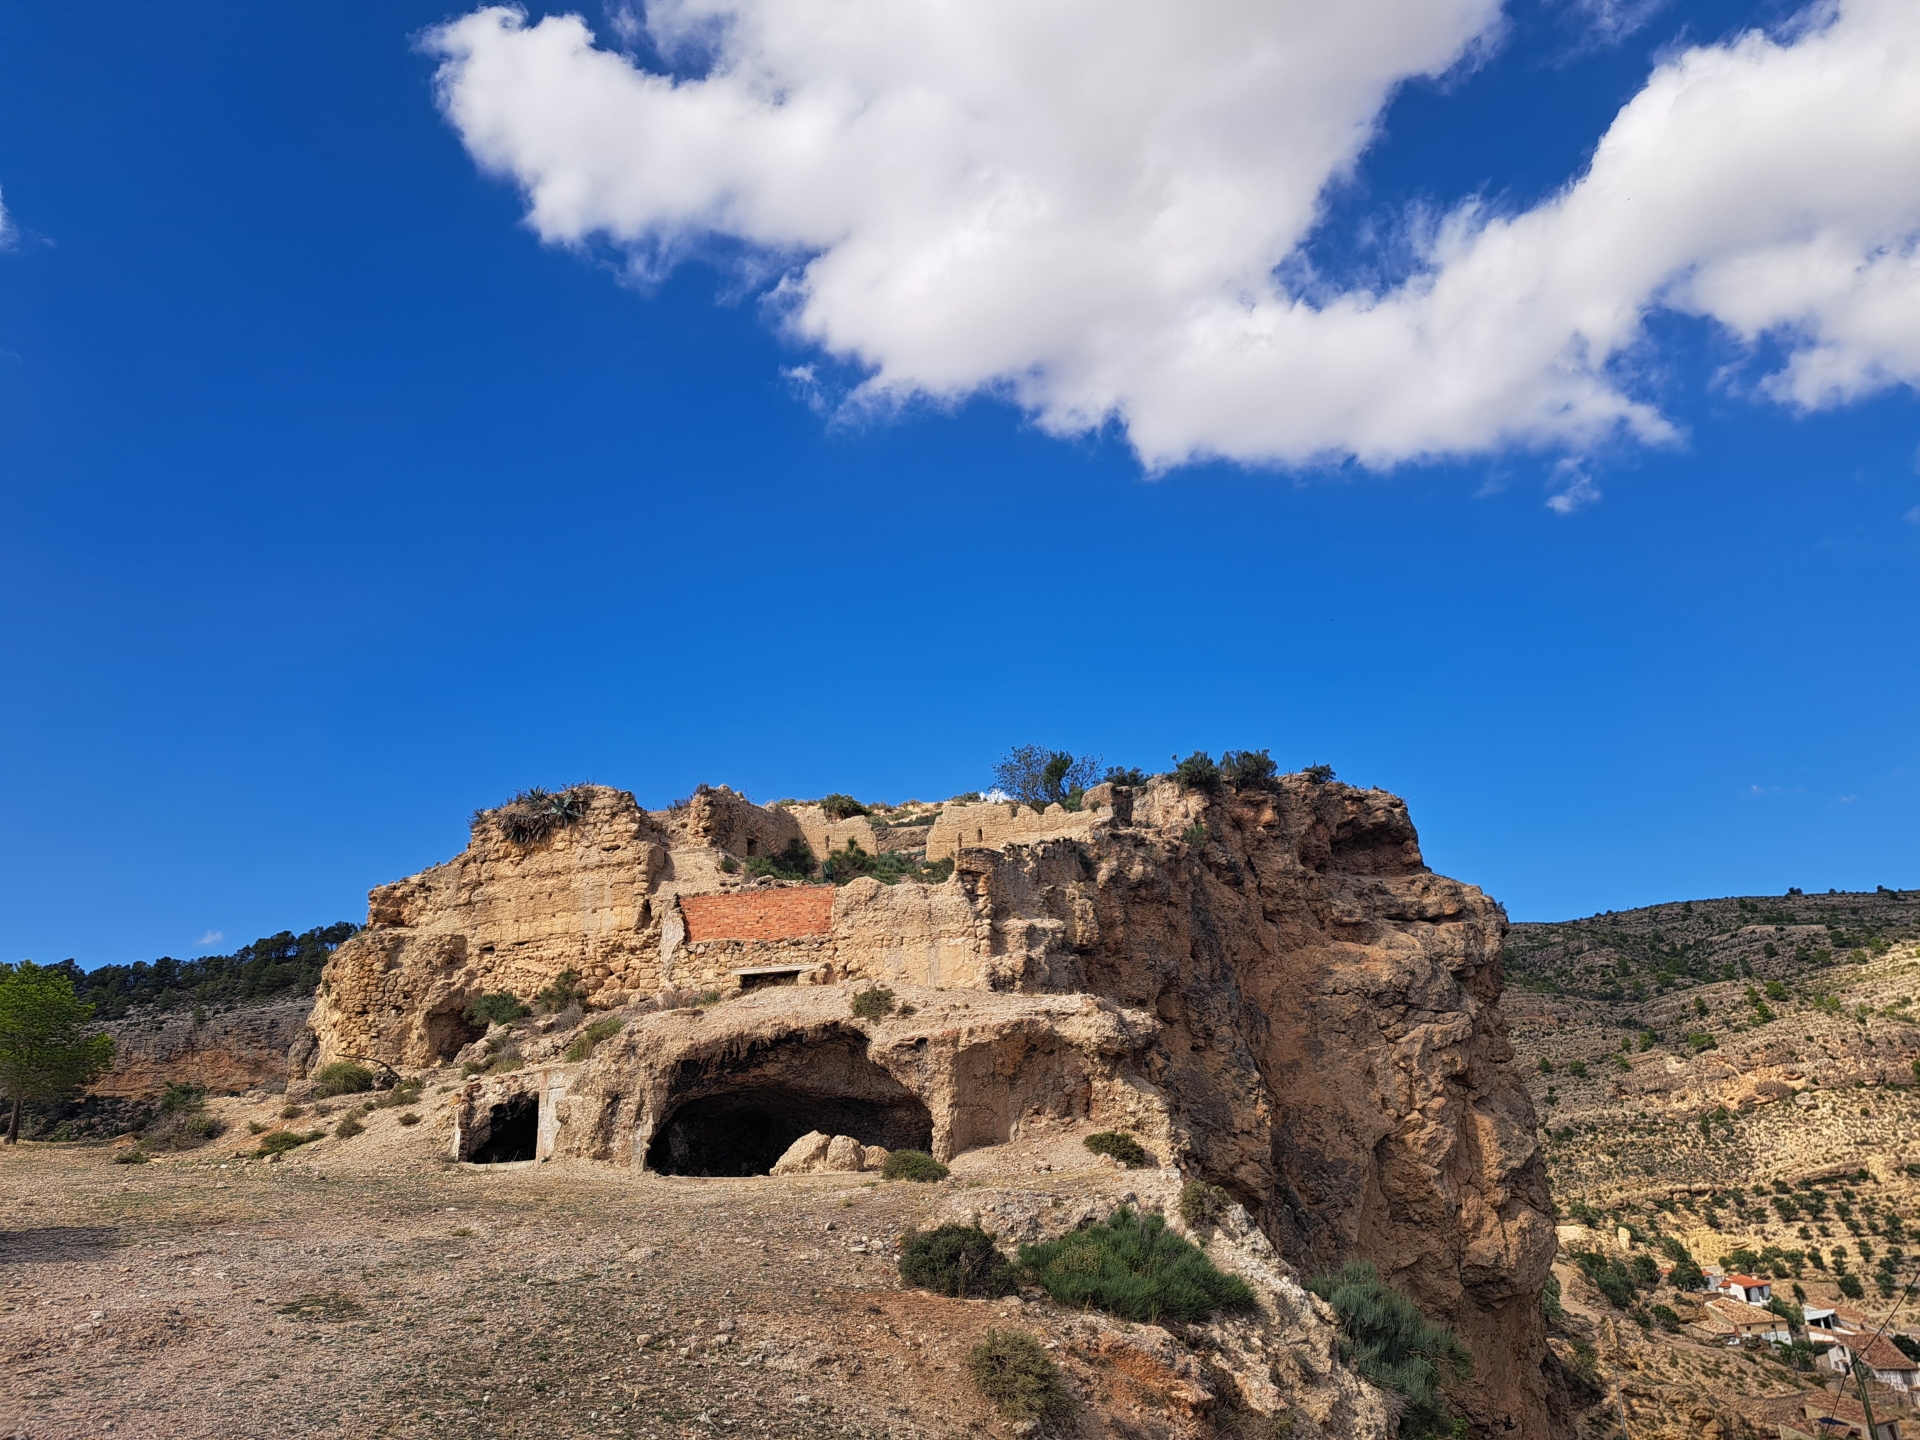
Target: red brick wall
x,y
782,914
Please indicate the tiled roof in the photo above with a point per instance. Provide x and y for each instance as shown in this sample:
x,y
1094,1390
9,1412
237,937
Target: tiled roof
x,y
1738,1312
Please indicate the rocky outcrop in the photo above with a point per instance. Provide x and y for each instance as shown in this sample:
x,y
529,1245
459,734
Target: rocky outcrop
x,y
1269,986
225,1052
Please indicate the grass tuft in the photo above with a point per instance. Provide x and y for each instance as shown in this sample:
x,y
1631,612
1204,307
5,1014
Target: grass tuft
x,y
1121,1146
1013,1370
342,1077
912,1165
584,1043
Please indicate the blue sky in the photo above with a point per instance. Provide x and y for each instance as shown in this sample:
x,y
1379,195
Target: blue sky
x,y
335,501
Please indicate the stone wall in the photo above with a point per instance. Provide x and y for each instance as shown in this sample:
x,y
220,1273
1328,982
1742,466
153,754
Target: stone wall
x,y
824,835
991,826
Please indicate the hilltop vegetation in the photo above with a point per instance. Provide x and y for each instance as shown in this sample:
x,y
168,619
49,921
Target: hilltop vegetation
x,y
1635,955
271,967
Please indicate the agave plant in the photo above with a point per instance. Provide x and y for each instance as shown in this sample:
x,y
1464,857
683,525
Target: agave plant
x,y
533,814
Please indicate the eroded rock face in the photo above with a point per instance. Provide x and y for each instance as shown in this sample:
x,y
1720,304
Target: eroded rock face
x,y
224,1052
1270,986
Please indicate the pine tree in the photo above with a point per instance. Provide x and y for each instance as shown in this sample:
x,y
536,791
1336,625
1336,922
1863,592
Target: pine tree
x,y
46,1050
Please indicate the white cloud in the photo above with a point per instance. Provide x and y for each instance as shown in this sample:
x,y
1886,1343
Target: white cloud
x,y
1083,206
1576,489
212,937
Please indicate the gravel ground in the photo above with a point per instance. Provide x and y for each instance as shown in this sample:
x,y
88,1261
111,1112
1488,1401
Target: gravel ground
x,y
366,1288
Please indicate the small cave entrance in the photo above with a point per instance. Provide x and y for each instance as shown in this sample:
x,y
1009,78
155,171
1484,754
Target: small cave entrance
x,y
449,1032
513,1131
739,1118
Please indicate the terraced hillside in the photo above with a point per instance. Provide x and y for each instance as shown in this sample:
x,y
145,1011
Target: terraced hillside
x,y
1736,1077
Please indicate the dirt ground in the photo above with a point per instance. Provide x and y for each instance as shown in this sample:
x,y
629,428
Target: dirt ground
x,y
365,1287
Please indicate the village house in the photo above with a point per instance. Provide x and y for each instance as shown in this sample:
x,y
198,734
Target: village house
x,y
1828,1417
1730,1321
1885,1361
1748,1288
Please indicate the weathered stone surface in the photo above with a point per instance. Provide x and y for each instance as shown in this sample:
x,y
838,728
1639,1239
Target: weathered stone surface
x,y
224,1052
1270,986
803,1157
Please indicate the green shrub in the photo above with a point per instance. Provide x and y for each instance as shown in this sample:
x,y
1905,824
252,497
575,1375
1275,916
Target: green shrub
x,y
1134,1267
502,1007
1850,1287
408,1119
1386,1338
1202,1204
843,807
182,1122
293,1112
1318,774
1012,1369
796,862
131,1157
1132,778
1550,1305
1121,1146
853,863
1577,1069
561,993
1610,1277
1665,1317
957,1260
912,1165
1645,1272
281,1141
180,1097
257,1127
584,1043
729,865
342,1077
406,1092
348,1127
874,1003
1249,769
1197,772
1196,834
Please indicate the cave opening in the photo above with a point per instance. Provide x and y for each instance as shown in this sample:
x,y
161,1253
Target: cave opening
x,y
513,1131
450,1031
741,1118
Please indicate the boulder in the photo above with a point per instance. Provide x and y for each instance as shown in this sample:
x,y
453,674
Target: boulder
x,y
805,1155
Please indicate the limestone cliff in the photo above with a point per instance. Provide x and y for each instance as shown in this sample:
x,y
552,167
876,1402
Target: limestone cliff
x,y
1269,986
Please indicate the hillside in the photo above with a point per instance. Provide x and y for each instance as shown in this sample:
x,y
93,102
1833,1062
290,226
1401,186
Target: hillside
x,y
1737,1076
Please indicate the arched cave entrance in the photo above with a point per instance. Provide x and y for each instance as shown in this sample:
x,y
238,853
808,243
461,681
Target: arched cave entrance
x,y
513,1131
737,1115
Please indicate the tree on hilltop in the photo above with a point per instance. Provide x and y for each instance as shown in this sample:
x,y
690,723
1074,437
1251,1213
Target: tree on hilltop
x,y
1038,776
46,1051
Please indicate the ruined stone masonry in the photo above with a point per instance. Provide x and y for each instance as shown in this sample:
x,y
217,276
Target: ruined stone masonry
x,y
1269,987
